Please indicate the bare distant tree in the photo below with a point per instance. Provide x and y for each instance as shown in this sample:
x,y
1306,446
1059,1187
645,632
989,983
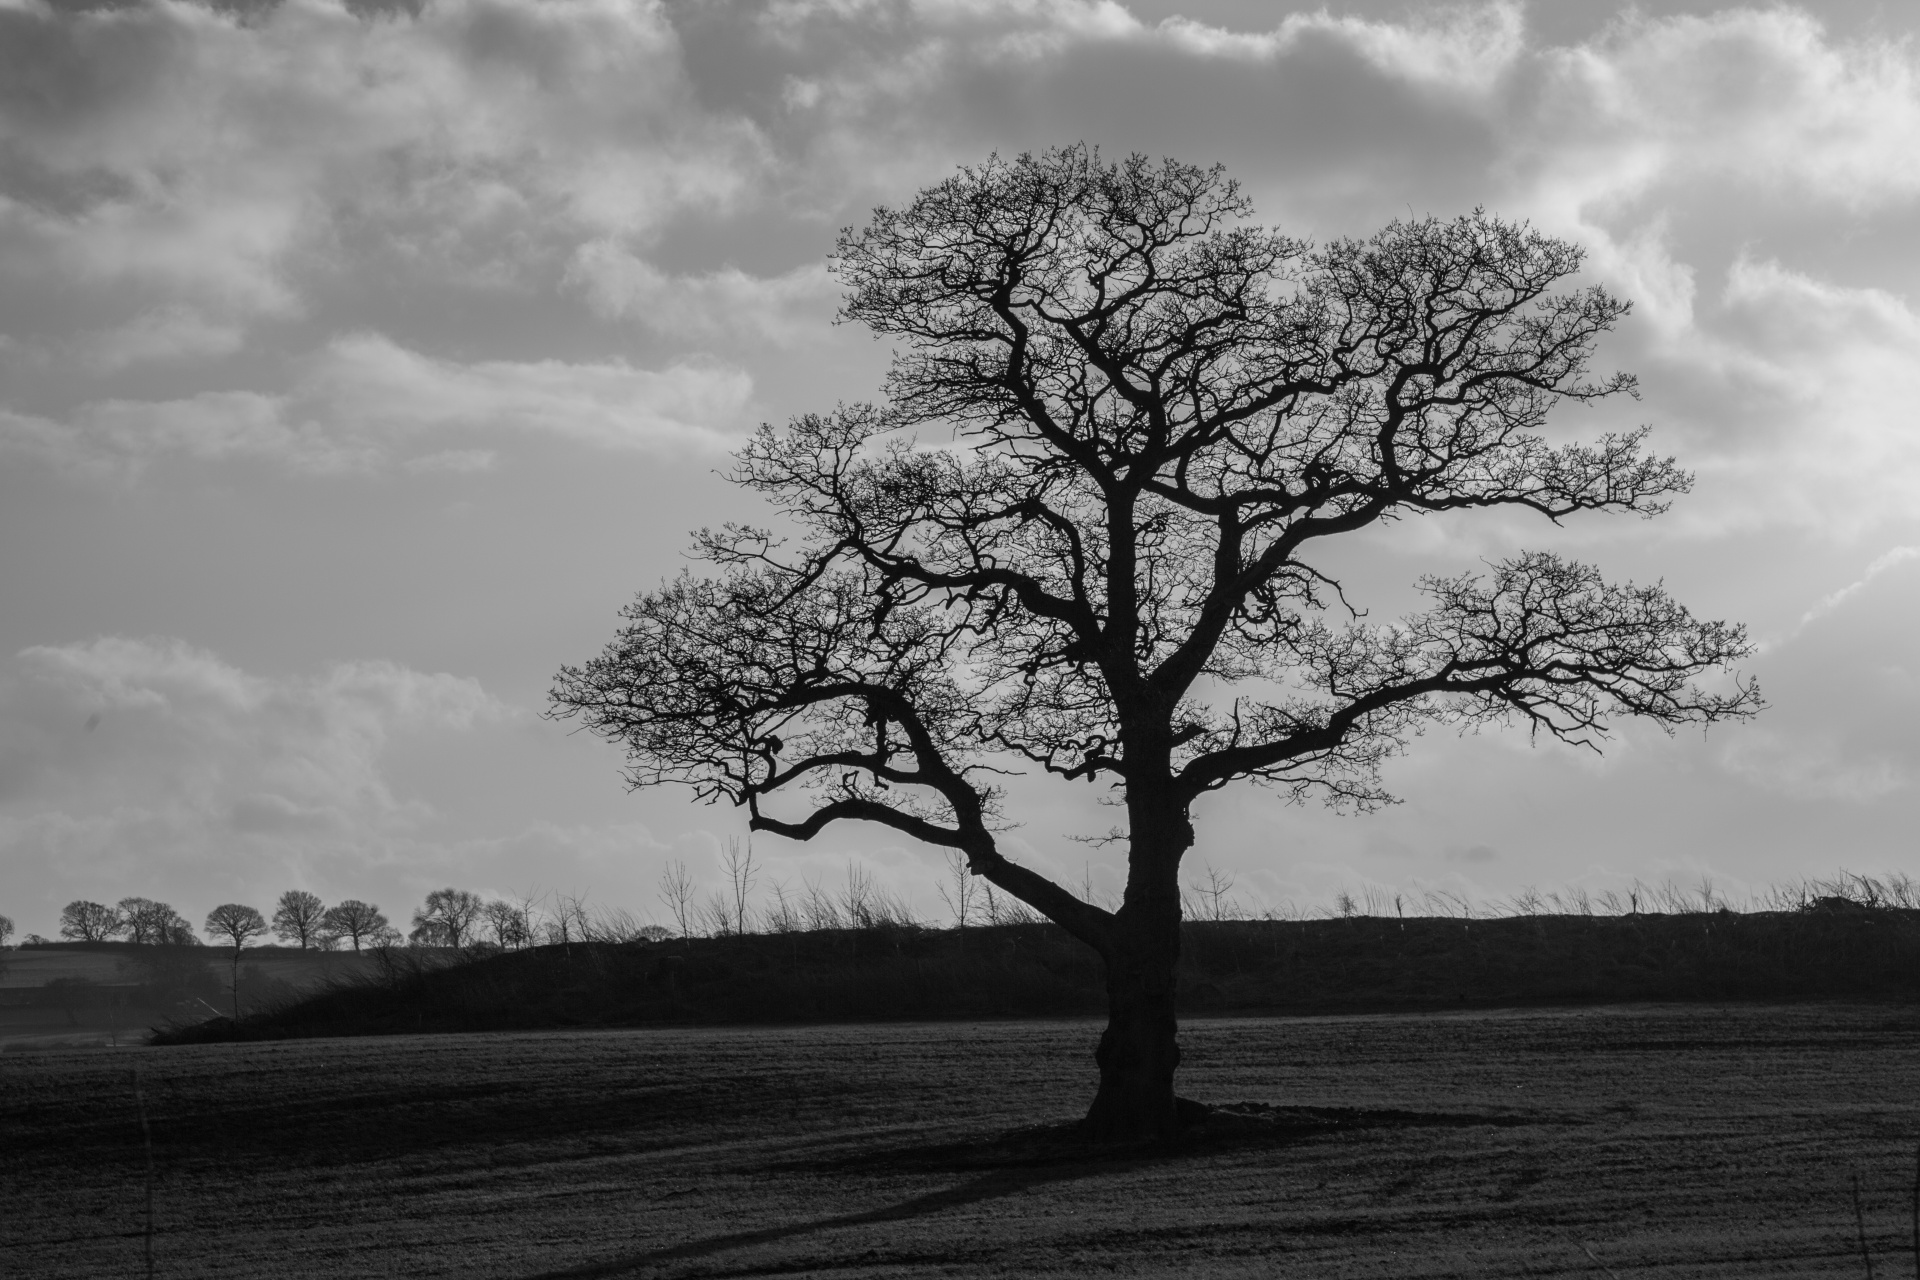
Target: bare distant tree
x,y
509,924
354,920
676,891
299,917
6,930
447,918
84,921
741,877
235,924
1215,897
960,898
149,923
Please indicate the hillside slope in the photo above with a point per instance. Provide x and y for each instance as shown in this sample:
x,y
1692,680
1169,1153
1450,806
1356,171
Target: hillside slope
x,y
1320,966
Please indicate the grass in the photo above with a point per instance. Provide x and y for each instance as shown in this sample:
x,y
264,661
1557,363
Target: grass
x,y
1705,1141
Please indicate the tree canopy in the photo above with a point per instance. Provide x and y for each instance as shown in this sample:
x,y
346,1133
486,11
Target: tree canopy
x,y
1150,419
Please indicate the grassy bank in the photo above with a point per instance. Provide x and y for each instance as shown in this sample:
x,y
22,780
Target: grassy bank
x,y
1320,966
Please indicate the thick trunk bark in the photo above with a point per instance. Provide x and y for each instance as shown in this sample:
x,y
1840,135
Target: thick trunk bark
x,y
1140,1049
1138,1054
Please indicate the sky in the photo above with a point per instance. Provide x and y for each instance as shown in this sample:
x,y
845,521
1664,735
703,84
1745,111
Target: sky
x,y
357,363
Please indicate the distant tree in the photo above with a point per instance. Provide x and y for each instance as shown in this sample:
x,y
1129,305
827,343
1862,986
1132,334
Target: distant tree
x,y
236,924
150,923
676,891
1157,427
960,898
447,918
353,919
299,917
84,921
509,923
653,933
6,930
34,940
741,877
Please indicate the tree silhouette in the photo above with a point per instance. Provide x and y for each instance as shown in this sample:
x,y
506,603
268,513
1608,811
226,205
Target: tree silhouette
x,y
237,924
299,917
83,921
149,923
355,920
1118,566
447,918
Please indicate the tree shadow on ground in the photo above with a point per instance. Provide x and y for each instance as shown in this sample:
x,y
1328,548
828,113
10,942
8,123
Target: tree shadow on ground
x,y
1022,1159
1215,1129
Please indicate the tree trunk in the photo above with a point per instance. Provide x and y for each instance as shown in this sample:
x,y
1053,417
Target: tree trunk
x,y
1138,1053
1140,1049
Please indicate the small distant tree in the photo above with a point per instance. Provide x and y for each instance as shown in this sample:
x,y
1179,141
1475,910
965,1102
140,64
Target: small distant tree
x,y
508,923
447,918
741,877
354,920
299,917
83,921
676,891
235,924
6,930
959,898
150,923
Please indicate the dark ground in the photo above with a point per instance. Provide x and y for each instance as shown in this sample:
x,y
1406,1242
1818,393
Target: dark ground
x,y
1632,1141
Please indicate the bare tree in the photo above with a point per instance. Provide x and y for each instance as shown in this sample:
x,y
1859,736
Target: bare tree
x,y
83,921
959,898
236,924
6,930
149,923
1214,899
447,918
299,917
1114,570
509,924
741,877
676,891
358,921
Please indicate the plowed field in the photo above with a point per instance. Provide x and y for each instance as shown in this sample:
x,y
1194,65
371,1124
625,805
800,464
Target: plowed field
x,y
1650,1141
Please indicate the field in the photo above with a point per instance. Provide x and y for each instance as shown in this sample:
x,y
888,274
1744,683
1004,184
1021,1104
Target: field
x,y
1626,1141
111,993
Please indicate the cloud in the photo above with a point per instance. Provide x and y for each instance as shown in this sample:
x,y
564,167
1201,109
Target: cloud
x,y
145,754
1741,101
1844,690
364,403
786,309
216,157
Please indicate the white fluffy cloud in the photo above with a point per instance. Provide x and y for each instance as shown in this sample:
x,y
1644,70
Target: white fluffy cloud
x,y
146,757
196,173
200,151
364,403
